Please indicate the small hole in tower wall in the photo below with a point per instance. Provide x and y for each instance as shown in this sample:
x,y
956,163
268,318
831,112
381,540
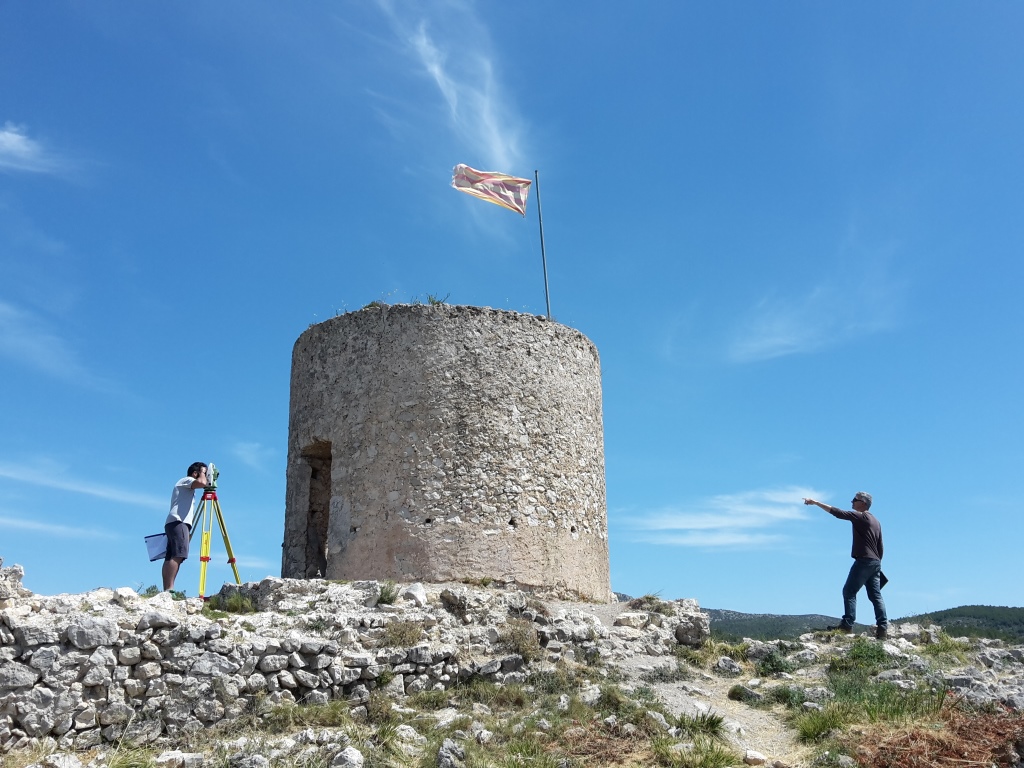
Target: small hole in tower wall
x,y
512,522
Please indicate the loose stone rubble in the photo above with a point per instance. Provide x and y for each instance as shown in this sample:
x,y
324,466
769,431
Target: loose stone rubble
x,y
96,667
81,671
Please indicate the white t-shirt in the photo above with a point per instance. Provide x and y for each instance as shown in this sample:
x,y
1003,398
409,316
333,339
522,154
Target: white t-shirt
x,y
182,501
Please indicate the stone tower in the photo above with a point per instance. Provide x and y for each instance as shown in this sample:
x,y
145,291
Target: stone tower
x,y
446,443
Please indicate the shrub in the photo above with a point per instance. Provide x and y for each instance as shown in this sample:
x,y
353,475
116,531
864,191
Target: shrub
x,y
132,758
863,655
888,703
388,593
613,700
378,708
667,674
815,725
523,752
650,603
520,636
477,689
773,664
401,634
557,680
429,700
318,624
790,696
284,717
386,749
234,603
706,724
880,701
706,753
947,647
710,651
742,693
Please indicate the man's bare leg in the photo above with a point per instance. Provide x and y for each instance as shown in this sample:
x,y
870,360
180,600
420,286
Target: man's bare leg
x,y
170,571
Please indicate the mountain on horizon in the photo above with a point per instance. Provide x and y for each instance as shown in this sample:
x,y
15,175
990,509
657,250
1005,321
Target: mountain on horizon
x,y
966,620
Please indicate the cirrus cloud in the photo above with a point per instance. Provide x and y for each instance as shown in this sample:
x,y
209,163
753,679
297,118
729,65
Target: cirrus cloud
x,y
745,520
20,152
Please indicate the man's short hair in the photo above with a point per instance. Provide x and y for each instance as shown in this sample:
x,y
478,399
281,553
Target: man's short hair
x,y
198,465
863,496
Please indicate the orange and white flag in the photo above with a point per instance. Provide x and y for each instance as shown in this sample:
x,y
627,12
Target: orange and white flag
x,y
506,191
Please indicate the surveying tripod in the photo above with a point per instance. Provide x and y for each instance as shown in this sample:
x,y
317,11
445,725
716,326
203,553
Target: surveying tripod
x,y
208,509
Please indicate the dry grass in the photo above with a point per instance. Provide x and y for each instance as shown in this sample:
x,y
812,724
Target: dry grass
x,y
520,636
960,738
401,634
593,743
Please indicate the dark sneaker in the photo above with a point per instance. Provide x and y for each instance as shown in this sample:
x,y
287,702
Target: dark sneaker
x,y
840,628
881,633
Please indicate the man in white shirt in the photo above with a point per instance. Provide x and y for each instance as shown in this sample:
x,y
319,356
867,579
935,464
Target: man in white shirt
x,y
178,525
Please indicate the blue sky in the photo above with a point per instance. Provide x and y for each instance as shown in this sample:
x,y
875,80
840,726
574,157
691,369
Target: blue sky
x,y
792,230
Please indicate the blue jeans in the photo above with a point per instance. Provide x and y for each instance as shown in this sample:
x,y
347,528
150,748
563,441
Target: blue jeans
x,y
864,573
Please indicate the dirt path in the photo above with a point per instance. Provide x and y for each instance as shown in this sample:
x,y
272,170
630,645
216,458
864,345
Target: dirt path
x,y
761,730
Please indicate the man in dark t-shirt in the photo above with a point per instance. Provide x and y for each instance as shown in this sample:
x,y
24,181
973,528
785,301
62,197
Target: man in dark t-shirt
x,y
867,562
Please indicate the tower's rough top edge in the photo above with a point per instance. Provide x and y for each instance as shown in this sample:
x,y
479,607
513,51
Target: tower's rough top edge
x,y
450,311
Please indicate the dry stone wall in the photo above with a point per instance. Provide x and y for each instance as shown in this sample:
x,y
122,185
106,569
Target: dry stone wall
x,y
77,671
444,443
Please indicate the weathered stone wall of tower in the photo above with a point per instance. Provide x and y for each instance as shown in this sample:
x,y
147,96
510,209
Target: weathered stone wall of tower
x,y
446,443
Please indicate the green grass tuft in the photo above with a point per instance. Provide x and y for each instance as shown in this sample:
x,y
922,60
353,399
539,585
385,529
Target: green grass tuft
x,y
388,593
706,724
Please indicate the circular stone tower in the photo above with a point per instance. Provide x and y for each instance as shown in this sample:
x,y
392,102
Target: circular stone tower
x,y
446,443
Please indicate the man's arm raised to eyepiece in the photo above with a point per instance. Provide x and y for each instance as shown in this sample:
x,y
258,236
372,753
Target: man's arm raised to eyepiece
x,y
201,482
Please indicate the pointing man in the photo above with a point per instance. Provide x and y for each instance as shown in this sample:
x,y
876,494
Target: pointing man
x,y
867,562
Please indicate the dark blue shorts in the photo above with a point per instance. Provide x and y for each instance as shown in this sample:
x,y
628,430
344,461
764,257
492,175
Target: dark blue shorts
x,y
177,541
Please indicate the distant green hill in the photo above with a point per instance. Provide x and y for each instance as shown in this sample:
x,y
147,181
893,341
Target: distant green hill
x,y
733,626
967,620
977,621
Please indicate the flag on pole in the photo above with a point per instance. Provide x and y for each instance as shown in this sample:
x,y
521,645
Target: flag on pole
x,y
506,191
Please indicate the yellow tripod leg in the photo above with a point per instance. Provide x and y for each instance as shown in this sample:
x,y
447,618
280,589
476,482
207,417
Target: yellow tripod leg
x,y
204,547
227,541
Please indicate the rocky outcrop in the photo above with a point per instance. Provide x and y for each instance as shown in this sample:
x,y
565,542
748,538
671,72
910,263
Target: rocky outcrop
x,y
84,669
86,674
10,583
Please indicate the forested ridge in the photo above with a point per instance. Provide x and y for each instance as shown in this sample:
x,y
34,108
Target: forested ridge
x,y
964,621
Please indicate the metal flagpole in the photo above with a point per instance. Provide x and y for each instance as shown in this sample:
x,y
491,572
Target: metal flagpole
x,y
543,257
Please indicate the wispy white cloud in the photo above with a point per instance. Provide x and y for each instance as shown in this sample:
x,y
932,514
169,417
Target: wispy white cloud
x,y
53,529
454,49
825,316
747,520
50,474
258,564
714,539
19,152
252,454
858,296
26,340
